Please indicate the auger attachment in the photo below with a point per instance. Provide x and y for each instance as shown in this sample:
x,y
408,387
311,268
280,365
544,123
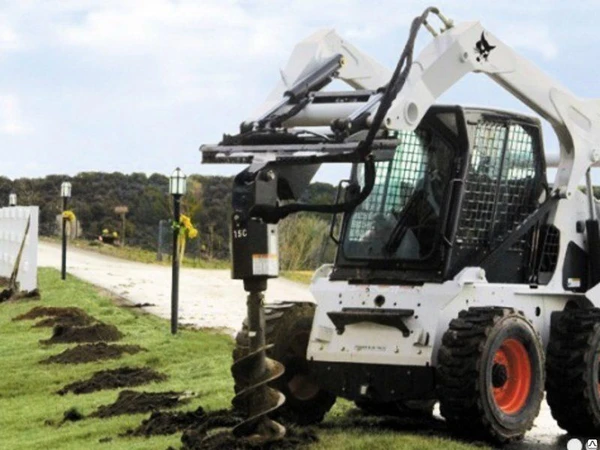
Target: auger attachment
x,y
256,399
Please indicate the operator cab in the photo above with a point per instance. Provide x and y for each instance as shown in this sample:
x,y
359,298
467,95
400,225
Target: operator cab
x,y
452,191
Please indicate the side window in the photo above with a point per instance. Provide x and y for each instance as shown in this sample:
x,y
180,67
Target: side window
x,y
500,189
481,184
517,193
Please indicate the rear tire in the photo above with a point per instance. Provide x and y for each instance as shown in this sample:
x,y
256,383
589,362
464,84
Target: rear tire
x,y
287,327
572,385
491,374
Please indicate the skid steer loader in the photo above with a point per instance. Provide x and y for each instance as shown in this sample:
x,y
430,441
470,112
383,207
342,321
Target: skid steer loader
x,y
461,275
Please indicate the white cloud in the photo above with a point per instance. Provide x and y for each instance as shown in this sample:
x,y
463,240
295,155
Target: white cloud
x,y
9,39
11,121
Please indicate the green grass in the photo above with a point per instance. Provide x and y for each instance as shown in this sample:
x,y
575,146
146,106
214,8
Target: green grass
x,y
199,361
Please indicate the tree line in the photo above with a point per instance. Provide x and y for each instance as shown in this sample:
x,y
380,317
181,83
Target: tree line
x,y
303,237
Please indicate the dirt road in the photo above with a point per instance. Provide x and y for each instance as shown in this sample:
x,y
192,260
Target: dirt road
x,y
209,298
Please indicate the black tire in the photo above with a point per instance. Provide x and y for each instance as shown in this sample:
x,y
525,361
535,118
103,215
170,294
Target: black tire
x,y
406,408
287,327
572,367
490,374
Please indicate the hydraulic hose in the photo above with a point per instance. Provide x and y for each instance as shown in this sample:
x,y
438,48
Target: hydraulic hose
x,y
272,214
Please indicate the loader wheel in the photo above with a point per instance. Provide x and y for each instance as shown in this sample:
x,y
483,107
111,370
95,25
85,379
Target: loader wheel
x,y
490,374
288,327
406,408
572,384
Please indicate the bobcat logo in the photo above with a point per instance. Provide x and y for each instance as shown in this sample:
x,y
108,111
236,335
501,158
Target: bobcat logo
x,y
483,48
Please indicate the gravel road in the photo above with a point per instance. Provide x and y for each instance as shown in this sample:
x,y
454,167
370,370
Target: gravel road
x,y
209,298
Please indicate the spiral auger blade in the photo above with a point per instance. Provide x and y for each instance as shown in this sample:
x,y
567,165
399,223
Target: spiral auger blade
x,y
256,399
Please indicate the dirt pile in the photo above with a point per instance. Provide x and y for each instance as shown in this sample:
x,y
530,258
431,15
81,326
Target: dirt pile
x,y
65,321
9,295
51,311
161,422
132,402
113,379
92,352
215,433
92,333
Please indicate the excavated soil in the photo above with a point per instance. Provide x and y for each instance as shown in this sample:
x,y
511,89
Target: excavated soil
x,y
10,295
57,316
162,423
113,379
93,333
51,311
132,402
217,427
92,352
65,321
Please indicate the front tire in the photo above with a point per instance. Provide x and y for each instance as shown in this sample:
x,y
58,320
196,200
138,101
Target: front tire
x,y
573,385
287,327
491,374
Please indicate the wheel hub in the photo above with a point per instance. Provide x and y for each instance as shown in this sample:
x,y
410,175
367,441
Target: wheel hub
x,y
511,376
499,375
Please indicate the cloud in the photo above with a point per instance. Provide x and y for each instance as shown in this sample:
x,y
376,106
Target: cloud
x,y
128,77
9,39
10,116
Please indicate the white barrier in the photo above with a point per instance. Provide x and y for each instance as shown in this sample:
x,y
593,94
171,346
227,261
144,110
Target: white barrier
x,y
13,221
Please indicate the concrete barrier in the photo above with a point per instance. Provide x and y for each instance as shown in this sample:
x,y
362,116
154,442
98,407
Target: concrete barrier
x,y
13,221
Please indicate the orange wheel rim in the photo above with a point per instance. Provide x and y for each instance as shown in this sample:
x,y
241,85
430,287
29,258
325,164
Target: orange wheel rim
x,y
511,376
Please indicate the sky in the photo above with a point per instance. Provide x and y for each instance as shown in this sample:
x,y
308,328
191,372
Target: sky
x,y
138,86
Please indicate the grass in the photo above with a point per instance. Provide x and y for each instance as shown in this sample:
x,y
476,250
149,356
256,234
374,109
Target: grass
x,y
195,360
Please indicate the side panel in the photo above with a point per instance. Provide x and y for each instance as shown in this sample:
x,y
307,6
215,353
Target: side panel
x,y
13,221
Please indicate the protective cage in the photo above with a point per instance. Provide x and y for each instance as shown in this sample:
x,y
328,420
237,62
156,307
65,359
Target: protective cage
x,y
451,201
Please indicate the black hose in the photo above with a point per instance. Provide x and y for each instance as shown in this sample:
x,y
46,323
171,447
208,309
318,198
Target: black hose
x,y
273,214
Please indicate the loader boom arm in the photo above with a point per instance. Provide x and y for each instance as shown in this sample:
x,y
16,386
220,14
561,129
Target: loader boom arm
x,y
462,49
468,48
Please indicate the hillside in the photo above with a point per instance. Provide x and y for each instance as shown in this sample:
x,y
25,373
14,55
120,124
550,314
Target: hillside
x,y
208,203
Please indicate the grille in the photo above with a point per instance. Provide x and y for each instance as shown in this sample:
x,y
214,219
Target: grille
x,y
500,186
395,182
549,238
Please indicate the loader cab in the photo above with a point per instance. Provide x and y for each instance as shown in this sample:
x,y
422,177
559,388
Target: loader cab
x,y
453,190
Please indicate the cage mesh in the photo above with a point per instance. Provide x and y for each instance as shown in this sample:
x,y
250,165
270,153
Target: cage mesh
x,y
395,182
499,191
549,238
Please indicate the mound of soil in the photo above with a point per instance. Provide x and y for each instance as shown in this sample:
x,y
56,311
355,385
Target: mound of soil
x,y
161,422
92,333
112,379
215,433
92,352
9,295
132,402
72,415
65,321
45,311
